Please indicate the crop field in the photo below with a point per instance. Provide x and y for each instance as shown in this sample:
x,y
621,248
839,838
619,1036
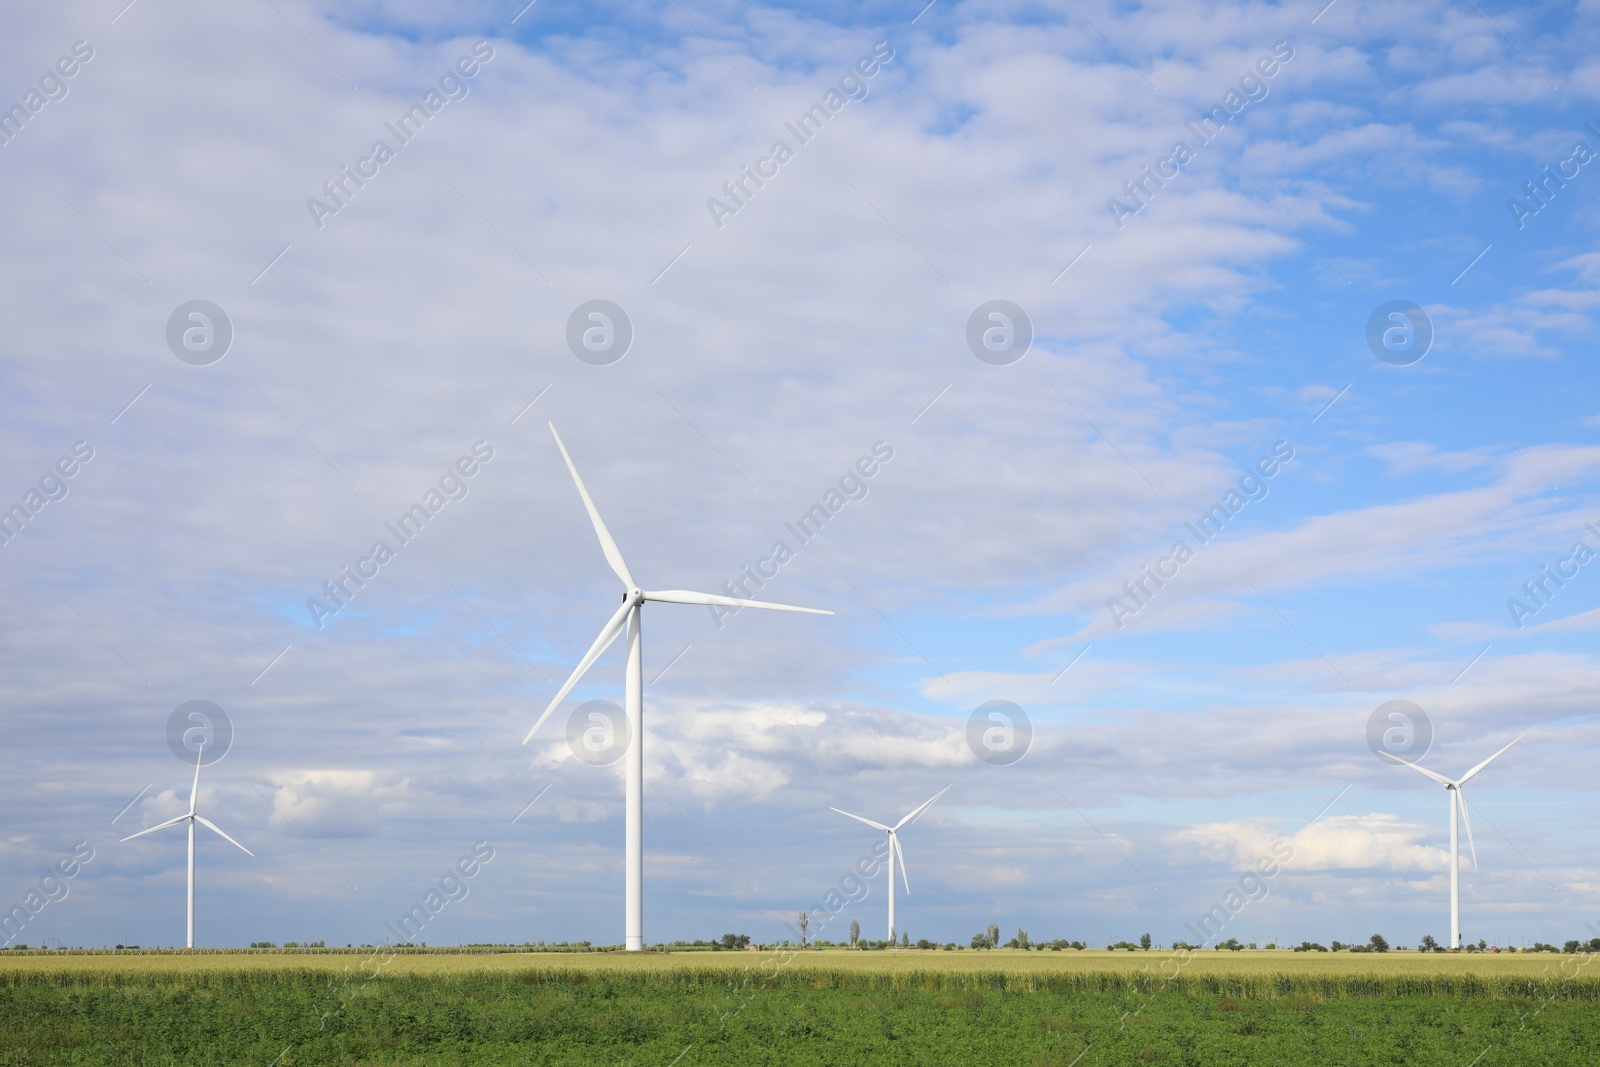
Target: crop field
x,y
968,1008
1159,962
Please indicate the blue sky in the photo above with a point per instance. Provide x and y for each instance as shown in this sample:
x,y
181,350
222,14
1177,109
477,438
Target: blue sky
x,y
828,313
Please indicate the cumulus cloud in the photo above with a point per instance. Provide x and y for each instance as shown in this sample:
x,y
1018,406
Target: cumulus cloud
x,y
1376,841
335,802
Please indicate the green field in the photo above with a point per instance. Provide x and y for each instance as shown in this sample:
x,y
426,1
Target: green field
x,y
967,1008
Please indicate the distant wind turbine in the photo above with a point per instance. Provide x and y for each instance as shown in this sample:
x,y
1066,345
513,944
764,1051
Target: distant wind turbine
x,y
192,817
1458,803
894,848
630,615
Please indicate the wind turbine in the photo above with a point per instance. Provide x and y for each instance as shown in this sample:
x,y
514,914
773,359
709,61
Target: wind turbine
x,y
1458,803
894,848
191,818
630,615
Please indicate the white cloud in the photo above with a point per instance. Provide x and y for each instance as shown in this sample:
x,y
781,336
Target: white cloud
x,y
1340,842
335,802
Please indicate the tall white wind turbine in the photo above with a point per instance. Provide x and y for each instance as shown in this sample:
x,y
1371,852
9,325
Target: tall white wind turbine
x,y
192,817
629,615
1458,803
894,848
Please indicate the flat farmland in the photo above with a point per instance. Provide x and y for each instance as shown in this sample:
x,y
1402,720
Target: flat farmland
x,y
1160,963
776,1007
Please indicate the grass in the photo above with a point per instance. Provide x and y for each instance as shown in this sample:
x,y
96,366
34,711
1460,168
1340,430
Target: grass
x,y
970,1008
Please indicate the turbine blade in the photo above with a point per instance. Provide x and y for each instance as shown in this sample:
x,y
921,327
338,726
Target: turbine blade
x,y
1435,775
1462,797
922,809
1466,777
685,596
158,826
607,544
900,854
601,643
202,820
194,791
857,818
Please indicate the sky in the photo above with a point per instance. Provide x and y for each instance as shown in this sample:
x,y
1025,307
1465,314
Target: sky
x,y
1197,379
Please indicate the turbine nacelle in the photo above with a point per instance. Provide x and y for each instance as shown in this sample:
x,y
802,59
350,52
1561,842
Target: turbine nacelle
x,y
633,597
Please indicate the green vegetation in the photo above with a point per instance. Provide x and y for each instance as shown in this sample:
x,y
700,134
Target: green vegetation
x,y
816,1008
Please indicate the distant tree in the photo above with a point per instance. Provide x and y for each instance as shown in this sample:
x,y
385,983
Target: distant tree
x,y
733,941
1594,944
1572,948
1144,941
805,921
1022,939
994,934
905,939
1378,943
981,941
1428,944
855,932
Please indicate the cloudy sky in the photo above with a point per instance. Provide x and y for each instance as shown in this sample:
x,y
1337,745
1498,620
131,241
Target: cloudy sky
x,y
1276,265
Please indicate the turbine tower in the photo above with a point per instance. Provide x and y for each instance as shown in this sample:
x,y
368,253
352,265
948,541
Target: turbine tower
x,y
894,848
1458,803
629,615
192,817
